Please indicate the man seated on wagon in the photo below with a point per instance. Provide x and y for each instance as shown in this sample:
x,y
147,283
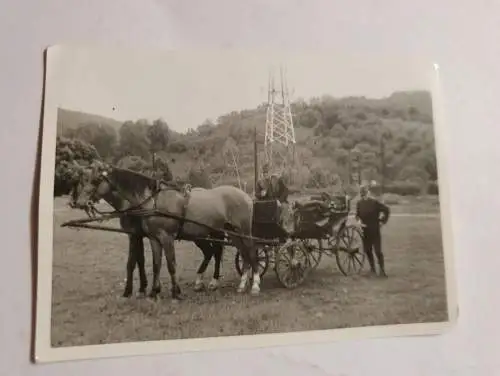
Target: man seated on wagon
x,y
273,187
263,191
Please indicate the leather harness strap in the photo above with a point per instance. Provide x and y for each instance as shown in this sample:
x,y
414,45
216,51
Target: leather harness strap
x,y
187,196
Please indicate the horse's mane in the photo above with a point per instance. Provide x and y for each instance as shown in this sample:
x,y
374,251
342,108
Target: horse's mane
x,y
137,182
132,181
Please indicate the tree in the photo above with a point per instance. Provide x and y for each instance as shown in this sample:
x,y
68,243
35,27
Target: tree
x,y
411,173
158,136
337,131
309,118
199,178
134,140
72,155
163,170
103,137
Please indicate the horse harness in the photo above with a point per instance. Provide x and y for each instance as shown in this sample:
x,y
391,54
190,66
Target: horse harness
x,y
159,186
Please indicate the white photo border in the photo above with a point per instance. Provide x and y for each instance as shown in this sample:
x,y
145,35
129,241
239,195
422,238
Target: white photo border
x,y
44,353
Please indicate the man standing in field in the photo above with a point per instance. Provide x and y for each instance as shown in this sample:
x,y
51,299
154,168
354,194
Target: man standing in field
x,y
368,211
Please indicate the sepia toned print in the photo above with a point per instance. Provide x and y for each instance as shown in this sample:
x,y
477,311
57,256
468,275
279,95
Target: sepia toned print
x,y
231,195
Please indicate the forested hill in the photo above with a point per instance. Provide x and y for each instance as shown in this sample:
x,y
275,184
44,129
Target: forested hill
x,y
70,120
389,139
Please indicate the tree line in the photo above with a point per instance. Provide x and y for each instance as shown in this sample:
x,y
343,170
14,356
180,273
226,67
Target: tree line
x,y
345,140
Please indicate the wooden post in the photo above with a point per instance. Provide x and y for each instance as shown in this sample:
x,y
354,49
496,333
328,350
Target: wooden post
x,y
255,162
349,169
382,164
153,160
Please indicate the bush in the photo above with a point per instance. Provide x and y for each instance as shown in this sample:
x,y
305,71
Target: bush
x,y
433,188
403,189
71,156
177,147
391,199
199,178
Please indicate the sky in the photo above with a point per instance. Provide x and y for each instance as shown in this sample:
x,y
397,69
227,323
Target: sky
x,y
187,87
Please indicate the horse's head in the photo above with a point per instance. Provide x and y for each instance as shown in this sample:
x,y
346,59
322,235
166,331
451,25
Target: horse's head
x,y
94,184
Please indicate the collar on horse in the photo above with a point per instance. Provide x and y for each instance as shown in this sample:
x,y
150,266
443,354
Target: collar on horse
x,y
160,185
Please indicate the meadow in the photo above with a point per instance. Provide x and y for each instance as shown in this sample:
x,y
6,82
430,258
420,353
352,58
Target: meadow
x,y
89,273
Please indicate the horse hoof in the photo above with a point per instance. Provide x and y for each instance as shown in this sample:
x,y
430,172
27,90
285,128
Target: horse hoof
x,y
198,288
212,287
255,291
127,294
179,297
240,290
140,295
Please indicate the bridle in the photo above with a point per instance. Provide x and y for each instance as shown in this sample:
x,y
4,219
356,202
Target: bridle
x,y
104,177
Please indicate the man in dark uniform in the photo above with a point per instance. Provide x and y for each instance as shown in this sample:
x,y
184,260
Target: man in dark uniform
x,y
368,211
263,190
273,187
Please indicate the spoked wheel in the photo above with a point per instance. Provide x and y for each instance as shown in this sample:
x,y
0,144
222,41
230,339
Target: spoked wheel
x,y
349,250
262,260
315,252
292,264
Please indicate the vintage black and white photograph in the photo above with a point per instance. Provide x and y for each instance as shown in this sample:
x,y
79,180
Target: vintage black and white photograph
x,y
226,194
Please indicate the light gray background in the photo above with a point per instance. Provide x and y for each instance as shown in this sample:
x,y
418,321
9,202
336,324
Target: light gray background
x,y
461,36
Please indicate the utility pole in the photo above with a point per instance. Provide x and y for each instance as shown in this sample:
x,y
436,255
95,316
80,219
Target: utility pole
x,y
255,159
382,164
349,168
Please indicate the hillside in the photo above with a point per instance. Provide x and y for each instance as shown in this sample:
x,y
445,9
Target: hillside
x,y
69,119
389,140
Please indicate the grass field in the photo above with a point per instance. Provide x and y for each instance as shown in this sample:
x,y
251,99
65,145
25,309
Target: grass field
x,y
89,272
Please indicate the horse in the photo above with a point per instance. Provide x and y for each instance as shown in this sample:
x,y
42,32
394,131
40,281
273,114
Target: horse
x,y
136,244
136,241
224,208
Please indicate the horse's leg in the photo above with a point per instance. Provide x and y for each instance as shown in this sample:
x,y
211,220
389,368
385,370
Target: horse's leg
x,y
207,256
248,247
141,264
156,247
238,243
254,265
169,248
217,249
132,259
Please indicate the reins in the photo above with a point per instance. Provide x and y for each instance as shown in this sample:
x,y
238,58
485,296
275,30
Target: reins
x,y
136,210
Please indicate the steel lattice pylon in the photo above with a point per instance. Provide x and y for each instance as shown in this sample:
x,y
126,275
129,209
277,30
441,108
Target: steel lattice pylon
x,y
279,141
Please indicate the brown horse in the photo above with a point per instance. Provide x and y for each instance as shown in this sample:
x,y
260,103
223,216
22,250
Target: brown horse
x,y
210,249
221,208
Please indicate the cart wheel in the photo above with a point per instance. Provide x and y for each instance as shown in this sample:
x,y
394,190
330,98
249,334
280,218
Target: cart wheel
x,y
314,252
349,250
262,260
292,264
